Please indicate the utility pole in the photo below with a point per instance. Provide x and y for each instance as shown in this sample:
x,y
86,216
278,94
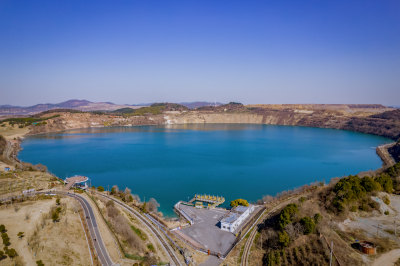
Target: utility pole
x,y
330,261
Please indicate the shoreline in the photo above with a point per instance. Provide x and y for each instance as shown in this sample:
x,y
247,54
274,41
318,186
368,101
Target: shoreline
x,y
381,150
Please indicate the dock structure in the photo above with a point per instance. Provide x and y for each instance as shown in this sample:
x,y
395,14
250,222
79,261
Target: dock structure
x,y
213,201
76,182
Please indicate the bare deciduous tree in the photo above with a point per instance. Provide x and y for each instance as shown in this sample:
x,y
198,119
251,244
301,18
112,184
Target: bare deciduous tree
x,y
127,195
136,198
153,205
114,190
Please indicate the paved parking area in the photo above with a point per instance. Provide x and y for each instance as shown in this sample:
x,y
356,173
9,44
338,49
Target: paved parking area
x,y
206,231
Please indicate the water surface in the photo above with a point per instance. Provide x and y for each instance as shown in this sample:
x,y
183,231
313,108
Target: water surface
x,y
173,163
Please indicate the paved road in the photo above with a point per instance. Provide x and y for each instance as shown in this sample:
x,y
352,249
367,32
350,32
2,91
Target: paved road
x,y
101,250
95,235
159,235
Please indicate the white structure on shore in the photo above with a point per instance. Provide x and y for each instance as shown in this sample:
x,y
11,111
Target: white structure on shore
x,y
76,182
235,218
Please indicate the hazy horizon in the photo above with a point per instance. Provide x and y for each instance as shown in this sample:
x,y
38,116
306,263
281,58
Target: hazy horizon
x,y
254,52
148,103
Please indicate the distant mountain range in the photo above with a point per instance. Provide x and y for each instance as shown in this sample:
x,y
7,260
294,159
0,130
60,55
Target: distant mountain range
x,y
82,105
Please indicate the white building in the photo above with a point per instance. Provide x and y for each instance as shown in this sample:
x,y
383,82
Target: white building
x,y
235,218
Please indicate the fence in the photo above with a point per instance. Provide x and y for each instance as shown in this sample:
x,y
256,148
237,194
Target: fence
x,y
183,213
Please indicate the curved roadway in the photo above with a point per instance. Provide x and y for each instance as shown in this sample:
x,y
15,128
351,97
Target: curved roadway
x,y
101,250
94,232
158,235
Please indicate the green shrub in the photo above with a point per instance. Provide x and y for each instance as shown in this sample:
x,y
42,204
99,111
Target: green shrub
x,y
386,212
394,170
308,224
139,232
317,218
364,207
100,188
11,253
238,202
283,239
2,255
6,239
286,215
353,208
386,182
151,248
55,216
354,189
277,257
370,184
144,207
20,235
349,189
39,263
386,200
2,228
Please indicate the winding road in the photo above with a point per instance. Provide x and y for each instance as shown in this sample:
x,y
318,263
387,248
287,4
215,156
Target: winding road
x,y
101,250
159,235
94,232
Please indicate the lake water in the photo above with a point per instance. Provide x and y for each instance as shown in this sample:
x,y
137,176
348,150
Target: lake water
x,y
172,163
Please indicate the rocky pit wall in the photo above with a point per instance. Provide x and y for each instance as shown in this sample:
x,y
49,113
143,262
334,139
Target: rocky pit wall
x,y
383,127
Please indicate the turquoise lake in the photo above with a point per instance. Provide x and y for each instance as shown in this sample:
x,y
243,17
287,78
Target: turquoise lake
x,y
172,163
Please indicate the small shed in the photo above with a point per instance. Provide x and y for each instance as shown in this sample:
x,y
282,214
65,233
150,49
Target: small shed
x,y
367,248
7,169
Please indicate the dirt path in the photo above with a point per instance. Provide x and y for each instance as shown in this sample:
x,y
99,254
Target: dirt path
x,y
388,258
383,152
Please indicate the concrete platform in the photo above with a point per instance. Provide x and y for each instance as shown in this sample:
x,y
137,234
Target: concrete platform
x,y
206,231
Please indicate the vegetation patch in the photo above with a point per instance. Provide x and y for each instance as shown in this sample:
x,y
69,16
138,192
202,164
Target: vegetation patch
x,y
139,233
154,109
354,193
237,202
27,121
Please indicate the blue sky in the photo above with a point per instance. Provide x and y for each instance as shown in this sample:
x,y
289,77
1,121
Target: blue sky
x,y
217,50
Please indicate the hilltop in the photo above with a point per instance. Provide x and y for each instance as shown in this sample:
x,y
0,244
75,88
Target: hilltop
x,y
83,105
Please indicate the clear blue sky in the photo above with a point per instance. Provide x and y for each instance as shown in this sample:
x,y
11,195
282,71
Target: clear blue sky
x,y
216,50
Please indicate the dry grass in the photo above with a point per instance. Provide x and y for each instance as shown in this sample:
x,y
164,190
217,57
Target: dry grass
x,y
60,243
10,132
12,183
138,245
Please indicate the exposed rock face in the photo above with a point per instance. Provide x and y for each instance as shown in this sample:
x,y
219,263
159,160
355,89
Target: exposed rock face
x,y
385,124
85,120
395,151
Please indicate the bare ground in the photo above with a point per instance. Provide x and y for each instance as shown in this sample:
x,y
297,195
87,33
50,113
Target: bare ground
x,y
47,246
14,182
